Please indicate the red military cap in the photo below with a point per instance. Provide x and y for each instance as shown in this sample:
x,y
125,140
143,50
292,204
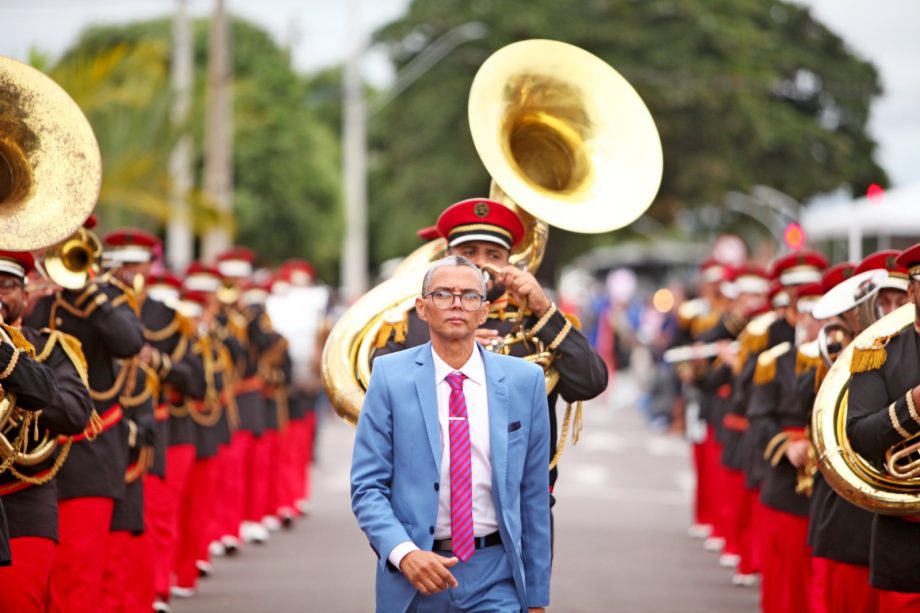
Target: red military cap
x,y
192,302
713,271
807,296
751,279
236,262
428,233
164,287
256,291
886,259
16,263
480,219
835,275
131,245
296,272
201,278
910,259
797,268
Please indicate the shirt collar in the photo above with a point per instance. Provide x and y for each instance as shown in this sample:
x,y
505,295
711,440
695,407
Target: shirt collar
x,y
474,369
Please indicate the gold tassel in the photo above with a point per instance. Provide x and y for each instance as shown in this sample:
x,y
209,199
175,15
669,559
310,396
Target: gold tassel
x,y
397,329
19,340
804,363
820,374
705,323
870,358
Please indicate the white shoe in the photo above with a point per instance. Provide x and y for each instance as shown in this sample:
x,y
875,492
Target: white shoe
x,y
699,531
744,580
303,506
231,544
253,532
714,543
729,560
271,523
161,607
217,549
182,592
205,568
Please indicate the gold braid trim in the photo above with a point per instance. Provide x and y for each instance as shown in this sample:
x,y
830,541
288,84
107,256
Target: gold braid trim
x,y
128,295
776,448
163,333
112,391
150,390
19,340
577,424
765,370
893,416
870,357
72,348
180,350
52,472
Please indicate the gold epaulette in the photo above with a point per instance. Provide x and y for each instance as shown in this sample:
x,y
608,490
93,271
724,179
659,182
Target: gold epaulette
x,y
807,357
765,371
395,324
689,311
756,336
265,323
128,295
19,340
870,356
238,326
72,348
705,323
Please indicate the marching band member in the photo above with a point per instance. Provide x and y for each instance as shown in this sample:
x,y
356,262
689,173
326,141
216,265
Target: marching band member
x,y
100,317
46,371
883,397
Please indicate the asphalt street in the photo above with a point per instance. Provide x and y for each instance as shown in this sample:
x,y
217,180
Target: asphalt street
x,y
621,533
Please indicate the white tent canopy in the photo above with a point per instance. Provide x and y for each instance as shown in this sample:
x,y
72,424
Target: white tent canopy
x,y
896,214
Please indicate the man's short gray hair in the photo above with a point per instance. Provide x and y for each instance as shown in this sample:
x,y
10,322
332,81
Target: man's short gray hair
x,y
453,261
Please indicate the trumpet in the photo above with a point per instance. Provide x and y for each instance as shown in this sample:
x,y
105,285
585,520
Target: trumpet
x,y
689,353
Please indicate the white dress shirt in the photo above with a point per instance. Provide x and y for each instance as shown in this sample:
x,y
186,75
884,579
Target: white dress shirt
x,y
477,409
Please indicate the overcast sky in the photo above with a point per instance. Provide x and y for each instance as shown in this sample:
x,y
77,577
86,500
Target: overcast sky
x,y
883,31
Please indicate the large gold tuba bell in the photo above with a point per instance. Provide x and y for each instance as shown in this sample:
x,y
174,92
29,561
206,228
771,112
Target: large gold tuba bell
x,y
894,490
565,138
50,176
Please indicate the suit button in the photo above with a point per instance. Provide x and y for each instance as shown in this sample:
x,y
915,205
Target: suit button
x,y
437,487
430,529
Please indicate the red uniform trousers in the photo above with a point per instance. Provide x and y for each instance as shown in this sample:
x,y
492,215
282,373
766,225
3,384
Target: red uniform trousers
x,y
842,588
733,509
898,602
715,490
786,569
702,514
128,586
274,474
257,477
24,585
195,521
749,549
163,525
305,433
238,459
79,562
230,483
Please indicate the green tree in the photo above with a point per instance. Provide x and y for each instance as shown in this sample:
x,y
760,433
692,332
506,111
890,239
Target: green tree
x,y
743,92
286,161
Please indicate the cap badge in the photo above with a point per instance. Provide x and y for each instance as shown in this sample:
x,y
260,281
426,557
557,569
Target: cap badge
x,y
481,209
890,262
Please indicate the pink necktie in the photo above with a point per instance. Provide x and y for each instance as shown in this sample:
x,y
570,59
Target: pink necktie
x,y
461,472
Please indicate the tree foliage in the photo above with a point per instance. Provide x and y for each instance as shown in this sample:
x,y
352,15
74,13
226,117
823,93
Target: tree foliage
x,y
285,160
744,92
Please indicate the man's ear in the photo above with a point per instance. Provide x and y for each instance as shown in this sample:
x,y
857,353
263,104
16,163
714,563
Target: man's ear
x,y
484,312
420,308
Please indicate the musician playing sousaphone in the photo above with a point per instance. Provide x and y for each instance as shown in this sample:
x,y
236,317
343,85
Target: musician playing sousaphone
x,y
45,371
485,232
883,397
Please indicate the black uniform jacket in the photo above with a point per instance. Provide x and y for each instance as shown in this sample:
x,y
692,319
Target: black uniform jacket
x,y
33,511
138,401
753,440
895,550
208,414
108,329
165,331
582,372
777,407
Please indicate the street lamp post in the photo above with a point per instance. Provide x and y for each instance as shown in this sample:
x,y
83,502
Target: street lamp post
x,y
354,135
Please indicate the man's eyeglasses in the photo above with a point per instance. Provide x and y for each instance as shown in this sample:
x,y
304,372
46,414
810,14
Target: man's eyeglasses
x,y
8,285
470,301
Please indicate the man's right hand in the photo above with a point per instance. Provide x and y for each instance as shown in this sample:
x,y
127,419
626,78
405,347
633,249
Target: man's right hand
x,y
427,571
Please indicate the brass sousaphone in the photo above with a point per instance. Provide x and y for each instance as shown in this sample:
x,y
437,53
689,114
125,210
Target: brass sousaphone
x,y
565,138
50,176
892,490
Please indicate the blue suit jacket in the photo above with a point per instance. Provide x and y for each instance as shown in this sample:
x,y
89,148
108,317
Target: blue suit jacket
x,y
397,466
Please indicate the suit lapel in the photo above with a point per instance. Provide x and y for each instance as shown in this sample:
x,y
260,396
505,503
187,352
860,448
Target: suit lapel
x,y
498,422
428,400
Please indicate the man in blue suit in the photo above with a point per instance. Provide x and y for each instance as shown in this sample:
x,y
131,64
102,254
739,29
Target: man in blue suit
x,y
448,478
